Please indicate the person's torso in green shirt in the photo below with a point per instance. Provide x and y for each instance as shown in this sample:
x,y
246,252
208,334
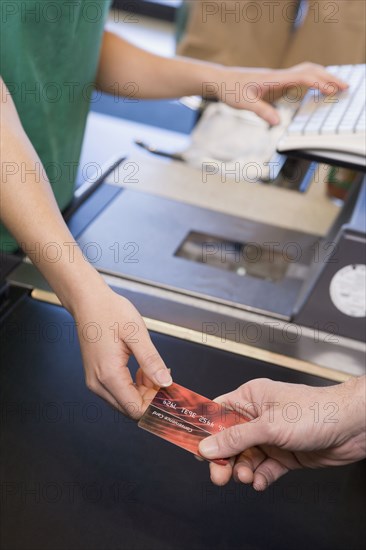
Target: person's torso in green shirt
x,y
48,59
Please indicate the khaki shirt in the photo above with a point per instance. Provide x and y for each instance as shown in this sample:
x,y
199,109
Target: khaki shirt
x,y
263,33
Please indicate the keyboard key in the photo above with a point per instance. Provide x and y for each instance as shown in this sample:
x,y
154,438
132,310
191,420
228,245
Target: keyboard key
x,y
350,120
346,128
295,129
361,123
334,116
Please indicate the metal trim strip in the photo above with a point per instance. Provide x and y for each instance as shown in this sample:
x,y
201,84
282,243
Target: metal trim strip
x,y
215,342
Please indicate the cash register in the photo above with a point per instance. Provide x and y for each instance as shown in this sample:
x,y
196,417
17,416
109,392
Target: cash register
x,y
227,298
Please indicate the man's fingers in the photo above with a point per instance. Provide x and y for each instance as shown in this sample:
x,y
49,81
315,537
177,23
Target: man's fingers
x,y
243,399
220,475
150,361
269,471
246,464
234,440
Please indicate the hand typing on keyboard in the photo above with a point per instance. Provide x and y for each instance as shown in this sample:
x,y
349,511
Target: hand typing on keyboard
x,y
238,143
336,123
248,89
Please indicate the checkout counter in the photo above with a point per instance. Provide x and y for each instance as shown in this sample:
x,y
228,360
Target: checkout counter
x,y
77,475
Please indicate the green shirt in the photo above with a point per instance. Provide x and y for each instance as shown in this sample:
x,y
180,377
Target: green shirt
x,y
49,54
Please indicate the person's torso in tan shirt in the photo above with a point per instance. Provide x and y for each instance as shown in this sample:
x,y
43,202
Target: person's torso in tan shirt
x,y
262,34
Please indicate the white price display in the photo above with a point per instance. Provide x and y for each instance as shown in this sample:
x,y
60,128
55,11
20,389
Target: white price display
x,y
348,290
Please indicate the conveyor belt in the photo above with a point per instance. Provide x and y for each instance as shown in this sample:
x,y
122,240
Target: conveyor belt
x,y
75,475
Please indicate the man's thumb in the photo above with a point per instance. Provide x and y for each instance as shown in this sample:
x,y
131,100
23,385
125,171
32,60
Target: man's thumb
x,y
234,440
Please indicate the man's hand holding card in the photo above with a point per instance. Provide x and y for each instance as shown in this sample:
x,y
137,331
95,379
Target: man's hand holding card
x,y
184,418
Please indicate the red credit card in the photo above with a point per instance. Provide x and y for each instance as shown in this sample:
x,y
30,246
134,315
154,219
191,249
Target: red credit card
x,y
184,418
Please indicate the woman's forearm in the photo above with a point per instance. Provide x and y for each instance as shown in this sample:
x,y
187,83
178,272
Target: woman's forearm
x,y
31,214
126,69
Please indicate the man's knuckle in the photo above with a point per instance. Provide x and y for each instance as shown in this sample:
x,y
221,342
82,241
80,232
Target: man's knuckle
x,y
91,384
232,437
242,391
270,431
104,376
267,474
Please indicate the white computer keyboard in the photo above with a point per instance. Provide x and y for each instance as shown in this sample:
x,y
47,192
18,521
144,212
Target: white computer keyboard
x,y
335,125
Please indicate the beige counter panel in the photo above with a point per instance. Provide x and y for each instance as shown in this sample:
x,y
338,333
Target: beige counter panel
x,y
311,212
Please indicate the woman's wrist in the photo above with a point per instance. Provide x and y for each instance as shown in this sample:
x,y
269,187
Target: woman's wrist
x,y
212,81
198,77
78,284
85,293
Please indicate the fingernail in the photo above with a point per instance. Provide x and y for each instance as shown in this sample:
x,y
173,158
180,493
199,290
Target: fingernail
x,y
209,448
260,484
198,458
274,120
163,378
242,477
